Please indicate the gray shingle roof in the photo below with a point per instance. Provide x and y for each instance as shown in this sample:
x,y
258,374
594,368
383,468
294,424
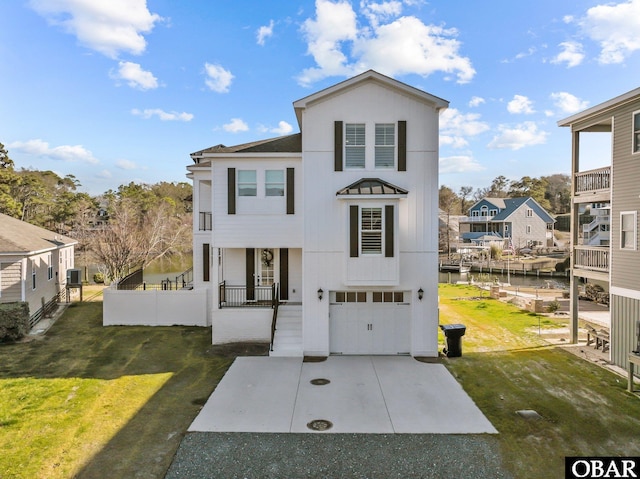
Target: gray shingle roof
x,y
20,237
281,144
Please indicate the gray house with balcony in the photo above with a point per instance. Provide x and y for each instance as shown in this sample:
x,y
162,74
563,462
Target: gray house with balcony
x,y
520,222
618,185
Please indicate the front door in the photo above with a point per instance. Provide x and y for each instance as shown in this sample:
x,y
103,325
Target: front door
x,y
265,267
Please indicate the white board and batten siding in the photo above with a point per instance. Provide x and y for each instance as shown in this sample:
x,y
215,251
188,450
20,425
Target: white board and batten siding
x,y
327,261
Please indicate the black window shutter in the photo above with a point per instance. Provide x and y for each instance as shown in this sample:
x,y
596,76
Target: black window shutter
x,y
402,145
338,146
284,273
250,273
206,262
388,231
231,191
291,208
354,239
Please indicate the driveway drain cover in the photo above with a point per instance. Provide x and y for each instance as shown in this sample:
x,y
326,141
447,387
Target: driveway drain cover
x,y
319,381
529,414
320,425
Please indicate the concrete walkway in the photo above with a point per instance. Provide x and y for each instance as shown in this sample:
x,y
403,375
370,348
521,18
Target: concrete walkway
x,y
364,394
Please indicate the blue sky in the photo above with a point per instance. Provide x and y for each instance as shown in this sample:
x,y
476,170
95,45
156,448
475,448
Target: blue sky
x,y
123,90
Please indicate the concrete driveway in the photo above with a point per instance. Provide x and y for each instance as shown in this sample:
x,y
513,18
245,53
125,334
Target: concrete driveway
x,y
344,394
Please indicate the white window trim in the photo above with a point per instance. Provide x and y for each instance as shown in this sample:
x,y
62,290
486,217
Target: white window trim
x,y
347,146
49,267
254,183
34,275
634,151
394,146
634,243
282,183
381,229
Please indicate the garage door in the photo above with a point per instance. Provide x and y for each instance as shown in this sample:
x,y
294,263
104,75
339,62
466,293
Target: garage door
x,y
369,322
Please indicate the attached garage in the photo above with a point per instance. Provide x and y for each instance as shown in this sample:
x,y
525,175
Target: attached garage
x,y
369,322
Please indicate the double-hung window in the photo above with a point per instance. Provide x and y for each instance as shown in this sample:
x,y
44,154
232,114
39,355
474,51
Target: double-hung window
x,y
371,231
50,267
354,145
33,275
274,183
636,132
628,230
247,183
385,145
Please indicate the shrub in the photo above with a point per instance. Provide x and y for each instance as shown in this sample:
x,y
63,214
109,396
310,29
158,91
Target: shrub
x,y
14,321
553,306
98,278
563,265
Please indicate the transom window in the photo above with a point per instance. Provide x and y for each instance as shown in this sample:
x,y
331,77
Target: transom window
x,y
354,145
388,297
371,231
351,296
385,145
628,230
247,183
274,183
636,132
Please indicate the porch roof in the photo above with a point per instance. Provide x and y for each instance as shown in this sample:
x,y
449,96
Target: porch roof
x,y
371,186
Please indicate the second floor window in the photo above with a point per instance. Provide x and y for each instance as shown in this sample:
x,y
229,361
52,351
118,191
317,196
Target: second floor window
x,y
371,231
354,145
247,184
274,183
628,230
385,145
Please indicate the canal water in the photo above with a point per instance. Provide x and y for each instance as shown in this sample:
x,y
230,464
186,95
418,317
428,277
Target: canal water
x,y
530,280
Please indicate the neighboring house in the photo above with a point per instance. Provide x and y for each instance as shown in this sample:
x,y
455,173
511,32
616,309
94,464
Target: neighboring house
x,y
597,231
33,264
340,221
516,222
617,186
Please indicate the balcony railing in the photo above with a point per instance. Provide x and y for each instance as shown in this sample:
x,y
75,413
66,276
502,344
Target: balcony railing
x,y
206,221
593,181
592,258
247,297
477,219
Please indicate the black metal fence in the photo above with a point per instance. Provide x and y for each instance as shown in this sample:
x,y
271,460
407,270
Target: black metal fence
x,y
245,296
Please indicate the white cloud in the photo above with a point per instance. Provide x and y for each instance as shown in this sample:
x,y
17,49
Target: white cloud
x,y
218,79
403,45
236,125
104,174
135,76
615,27
568,103
108,27
264,32
283,128
476,101
377,12
162,115
41,148
520,105
455,127
520,136
459,164
571,54
126,165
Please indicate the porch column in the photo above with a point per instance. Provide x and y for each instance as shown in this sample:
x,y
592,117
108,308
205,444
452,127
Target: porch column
x,y
575,231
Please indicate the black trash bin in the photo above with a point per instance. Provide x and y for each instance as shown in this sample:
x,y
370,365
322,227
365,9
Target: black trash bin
x,y
453,333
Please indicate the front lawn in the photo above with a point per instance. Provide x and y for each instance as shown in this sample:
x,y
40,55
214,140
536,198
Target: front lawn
x,y
101,402
506,367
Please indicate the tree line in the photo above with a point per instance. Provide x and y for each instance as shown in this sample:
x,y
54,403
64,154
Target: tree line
x,y
119,230
552,192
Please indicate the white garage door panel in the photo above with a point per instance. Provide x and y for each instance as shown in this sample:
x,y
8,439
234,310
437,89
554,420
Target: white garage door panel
x,y
370,328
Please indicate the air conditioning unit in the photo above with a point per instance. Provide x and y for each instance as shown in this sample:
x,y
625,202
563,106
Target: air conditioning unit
x,y
74,276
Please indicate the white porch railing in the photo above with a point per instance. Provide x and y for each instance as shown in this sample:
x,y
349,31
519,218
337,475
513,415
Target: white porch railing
x,y
592,258
593,181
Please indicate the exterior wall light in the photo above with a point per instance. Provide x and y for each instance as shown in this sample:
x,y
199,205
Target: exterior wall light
x,y
420,294
320,293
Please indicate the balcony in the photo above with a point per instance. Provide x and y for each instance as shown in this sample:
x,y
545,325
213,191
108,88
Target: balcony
x,y
593,185
591,262
205,221
476,219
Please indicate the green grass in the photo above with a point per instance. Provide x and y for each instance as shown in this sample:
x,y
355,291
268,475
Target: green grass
x,y
506,367
92,402
85,399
